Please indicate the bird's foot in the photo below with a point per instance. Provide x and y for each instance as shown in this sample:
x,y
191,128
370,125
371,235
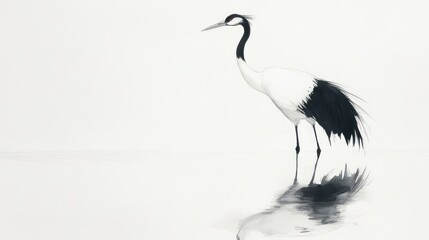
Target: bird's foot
x,y
311,184
295,182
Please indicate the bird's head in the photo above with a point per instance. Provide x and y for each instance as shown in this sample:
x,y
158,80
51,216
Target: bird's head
x,y
231,20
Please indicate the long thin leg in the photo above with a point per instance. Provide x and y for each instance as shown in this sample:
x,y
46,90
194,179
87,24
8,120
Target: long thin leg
x,y
318,155
296,159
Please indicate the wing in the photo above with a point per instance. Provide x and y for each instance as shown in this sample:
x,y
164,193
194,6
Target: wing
x,y
288,88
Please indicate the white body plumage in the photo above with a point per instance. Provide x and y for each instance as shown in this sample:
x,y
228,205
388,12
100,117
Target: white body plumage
x,y
287,88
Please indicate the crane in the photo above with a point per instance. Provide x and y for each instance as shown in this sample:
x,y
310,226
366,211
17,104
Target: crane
x,y
301,96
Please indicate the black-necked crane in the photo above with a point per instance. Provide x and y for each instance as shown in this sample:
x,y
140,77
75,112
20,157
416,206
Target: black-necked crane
x,y
301,96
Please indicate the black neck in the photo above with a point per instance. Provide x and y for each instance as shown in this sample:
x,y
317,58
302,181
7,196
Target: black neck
x,y
246,34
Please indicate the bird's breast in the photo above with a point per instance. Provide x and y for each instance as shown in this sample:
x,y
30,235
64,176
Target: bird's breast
x,y
252,77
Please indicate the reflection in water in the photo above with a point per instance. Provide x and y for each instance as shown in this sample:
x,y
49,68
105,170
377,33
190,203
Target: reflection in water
x,y
304,209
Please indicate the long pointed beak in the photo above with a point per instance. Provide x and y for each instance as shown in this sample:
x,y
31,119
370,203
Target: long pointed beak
x,y
219,24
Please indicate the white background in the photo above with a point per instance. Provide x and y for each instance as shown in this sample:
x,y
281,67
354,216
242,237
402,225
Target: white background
x,y
139,75
140,78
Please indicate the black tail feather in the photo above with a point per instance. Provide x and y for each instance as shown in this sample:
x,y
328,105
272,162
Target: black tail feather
x,y
335,112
